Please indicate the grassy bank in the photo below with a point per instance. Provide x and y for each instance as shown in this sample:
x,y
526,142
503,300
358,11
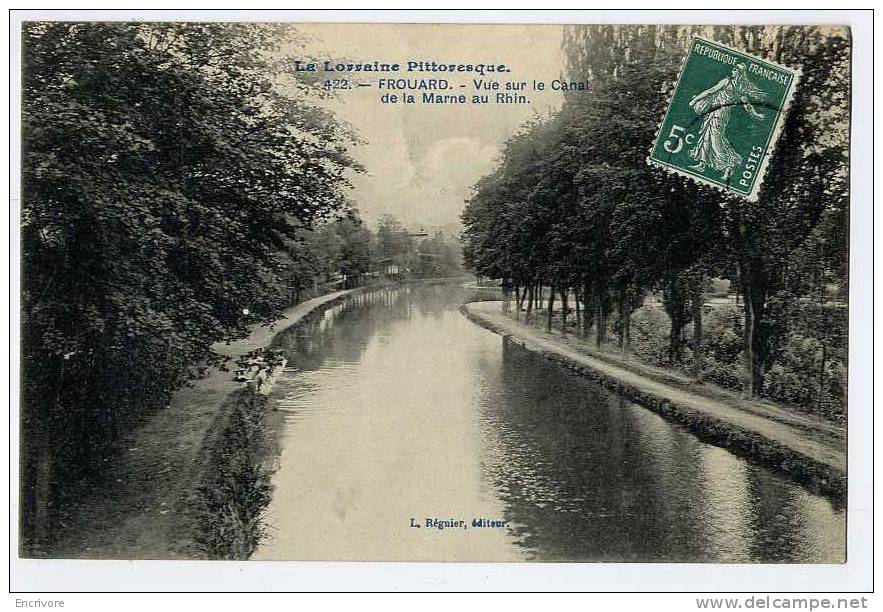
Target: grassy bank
x,y
156,492
235,489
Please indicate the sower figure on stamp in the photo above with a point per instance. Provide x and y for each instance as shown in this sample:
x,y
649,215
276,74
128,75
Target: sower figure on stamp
x,y
715,103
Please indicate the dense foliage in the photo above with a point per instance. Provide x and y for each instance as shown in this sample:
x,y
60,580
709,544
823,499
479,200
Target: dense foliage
x,y
178,184
574,207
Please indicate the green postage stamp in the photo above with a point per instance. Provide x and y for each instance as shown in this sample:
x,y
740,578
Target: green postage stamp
x,y
724,117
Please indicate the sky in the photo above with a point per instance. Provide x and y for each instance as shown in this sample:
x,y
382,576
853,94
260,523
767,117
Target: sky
x,y
422,160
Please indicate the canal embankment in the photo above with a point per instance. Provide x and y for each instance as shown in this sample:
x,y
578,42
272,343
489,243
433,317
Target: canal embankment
x,y
809,450
188,482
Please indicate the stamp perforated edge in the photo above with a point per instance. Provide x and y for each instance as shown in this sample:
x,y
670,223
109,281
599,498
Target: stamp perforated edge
x,y
774,138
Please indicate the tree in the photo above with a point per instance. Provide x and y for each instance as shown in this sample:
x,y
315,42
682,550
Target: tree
x,y
166,177
394,244
572,203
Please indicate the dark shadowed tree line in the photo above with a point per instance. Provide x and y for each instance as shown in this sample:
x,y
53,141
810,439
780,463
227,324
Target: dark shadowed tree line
x,y
344,253
178,185
574,216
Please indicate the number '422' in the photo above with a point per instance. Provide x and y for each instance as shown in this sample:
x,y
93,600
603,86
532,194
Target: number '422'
x,y
336,84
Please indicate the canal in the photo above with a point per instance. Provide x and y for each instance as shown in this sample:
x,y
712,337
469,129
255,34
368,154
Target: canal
x,y
396,407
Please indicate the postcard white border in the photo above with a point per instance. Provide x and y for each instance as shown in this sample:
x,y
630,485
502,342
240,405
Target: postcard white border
x,y
854,576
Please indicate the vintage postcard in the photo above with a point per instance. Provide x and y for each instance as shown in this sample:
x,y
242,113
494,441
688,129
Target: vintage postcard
x,y
462,292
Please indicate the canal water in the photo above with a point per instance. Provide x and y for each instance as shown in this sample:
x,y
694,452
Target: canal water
x,y
397,409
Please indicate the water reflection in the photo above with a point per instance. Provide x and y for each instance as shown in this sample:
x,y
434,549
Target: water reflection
x,y
398,407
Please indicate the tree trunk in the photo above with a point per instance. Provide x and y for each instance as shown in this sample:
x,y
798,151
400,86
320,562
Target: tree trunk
x,y
44,460
749,350
675,301
625,322
530,292
675,341
564,291
625,318
43,495
578,319
599,319
519,297
821,395
754,290
587,312
551,306
696,303
507,294
604,317
759,346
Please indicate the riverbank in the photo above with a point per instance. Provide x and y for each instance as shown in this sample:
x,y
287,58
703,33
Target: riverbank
x,y
146,504
808,449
